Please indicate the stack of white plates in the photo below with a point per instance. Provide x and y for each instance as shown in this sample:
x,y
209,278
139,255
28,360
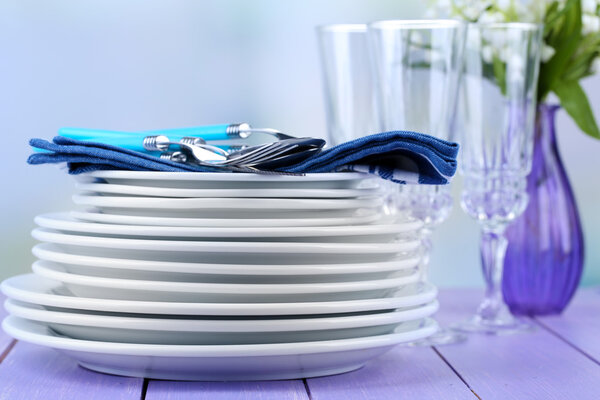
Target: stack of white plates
x,y
223,276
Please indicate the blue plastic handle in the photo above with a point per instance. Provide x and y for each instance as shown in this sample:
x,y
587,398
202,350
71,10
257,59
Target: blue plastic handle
x,y
135,140
209,132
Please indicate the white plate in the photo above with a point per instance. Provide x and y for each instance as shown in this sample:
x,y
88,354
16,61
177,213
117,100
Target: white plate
x,y
107,188
211,180
214,362
227,252
229,204
98,216
131,289
149,269
378,233
132,328
38,290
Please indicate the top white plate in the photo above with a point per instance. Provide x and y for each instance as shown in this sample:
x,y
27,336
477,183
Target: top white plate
x,y
131,190
198,180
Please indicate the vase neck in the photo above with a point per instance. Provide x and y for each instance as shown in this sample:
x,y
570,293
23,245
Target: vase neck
x,y
545,122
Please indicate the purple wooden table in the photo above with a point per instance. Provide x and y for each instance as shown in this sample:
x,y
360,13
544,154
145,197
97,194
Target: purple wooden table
x,y
559,360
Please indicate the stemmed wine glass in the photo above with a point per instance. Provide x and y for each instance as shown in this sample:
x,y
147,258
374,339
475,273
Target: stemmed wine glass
x,y
497,111
417,68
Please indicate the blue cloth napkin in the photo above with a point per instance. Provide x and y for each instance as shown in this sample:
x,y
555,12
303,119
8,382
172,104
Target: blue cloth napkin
x,y
398,156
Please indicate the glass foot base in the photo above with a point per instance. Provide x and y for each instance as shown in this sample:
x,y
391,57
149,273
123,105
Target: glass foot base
x,y
501,326
442,337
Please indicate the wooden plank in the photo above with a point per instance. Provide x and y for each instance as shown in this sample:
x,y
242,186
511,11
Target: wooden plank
x,y
403,373
274,390
32,372
535,365
579,324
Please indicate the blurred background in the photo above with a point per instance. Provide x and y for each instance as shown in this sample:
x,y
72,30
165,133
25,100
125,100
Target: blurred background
x,y
152,64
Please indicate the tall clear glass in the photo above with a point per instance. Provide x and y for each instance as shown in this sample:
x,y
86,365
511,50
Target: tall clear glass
x,y
347,81
349,90
497,109
417,69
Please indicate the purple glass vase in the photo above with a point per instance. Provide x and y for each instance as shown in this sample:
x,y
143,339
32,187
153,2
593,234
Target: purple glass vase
x,y
544,258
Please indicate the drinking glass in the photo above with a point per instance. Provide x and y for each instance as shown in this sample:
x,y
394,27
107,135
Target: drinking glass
x,y
347,81
348,90
417,68
497,108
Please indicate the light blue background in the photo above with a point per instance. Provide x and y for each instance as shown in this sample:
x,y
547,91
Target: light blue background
x,y
135,65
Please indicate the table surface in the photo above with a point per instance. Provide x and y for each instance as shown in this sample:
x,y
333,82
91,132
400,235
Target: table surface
x,y
560,359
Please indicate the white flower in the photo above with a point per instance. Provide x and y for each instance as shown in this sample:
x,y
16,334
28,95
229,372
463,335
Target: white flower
x,y
487,54
515,67
490,17
591,24
503,4
471,12
547,52
589,6
416,38
497,38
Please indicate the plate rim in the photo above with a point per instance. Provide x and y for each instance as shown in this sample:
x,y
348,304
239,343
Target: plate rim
x,y
95,214
188,351
35,312
229,177
10,287
205,246
63,221
226,203
49,272
41,251
170,192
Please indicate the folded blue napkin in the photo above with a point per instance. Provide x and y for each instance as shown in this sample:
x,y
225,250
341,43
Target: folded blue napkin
x,y
398,156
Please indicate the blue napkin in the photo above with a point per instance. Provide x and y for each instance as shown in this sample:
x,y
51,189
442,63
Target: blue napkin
x,y
398,156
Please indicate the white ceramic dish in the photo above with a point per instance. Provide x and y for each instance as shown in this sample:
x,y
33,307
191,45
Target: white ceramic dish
x,y
234,204
95,215
130,289
232,214
378,233
214,362
227,252
135,328
35,289
149,269
129,190
213,180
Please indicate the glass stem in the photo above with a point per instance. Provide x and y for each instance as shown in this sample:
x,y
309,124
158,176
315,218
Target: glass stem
x,y
425,253
493,250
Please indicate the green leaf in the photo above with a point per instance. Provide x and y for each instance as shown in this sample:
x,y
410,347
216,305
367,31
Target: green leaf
x,y
566,41
499,73
553,14
575,102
